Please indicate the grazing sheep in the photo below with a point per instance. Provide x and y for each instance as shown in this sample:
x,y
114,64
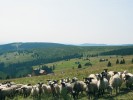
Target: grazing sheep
x,y
115,82
129,80
102,84
35,91
68,86
91,87
62,80
93,76
39,85
66,90
78,86
109,75
7,92
19,91
46,89
109,89
56,89
26,90
67,80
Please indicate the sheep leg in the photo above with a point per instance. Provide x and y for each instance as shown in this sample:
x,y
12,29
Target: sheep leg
x,y
116,90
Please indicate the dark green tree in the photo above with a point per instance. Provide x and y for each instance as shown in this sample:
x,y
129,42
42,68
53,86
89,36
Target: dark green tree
x,y
7,77
123,61
109,64
132,60
79,66
117,61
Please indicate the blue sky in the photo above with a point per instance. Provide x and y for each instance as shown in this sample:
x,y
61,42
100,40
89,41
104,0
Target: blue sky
x,y
67,21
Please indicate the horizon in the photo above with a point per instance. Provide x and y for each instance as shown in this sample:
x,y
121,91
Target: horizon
x,y
67,22
82,44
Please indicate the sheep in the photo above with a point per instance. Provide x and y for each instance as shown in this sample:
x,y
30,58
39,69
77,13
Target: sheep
x,y
115,82
102,84
68,86
56,89
109,89
93,76
61,80
26,89
78,86
7,92
104,73
129,80
46,89
35,91
74,79
39,85
19,91
91,87
67,80
66,90
107,74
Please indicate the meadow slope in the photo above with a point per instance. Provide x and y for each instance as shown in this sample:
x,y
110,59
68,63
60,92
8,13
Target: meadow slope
x,y
69,68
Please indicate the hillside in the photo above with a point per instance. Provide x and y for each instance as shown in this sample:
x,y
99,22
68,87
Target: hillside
x,y
17,59
69,68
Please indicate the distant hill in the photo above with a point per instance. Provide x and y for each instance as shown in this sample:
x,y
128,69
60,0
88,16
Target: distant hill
x,y
90,44
25,46
93,44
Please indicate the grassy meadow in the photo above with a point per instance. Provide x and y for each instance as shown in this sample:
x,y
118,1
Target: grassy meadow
x,y
69,68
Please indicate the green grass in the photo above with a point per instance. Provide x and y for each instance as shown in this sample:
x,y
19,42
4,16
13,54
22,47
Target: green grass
x,y
67,68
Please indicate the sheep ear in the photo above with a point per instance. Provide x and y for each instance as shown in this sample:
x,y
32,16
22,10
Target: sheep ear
x,y
85,82
29,84
42,83
105,69
115,72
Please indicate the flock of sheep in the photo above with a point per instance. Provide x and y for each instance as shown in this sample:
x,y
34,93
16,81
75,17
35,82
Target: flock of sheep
x,y
95,85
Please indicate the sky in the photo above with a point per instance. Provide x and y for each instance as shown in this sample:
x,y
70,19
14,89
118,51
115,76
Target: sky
x,y
67,21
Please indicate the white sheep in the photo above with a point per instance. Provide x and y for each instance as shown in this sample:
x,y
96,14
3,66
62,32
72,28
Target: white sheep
x,y
67,89
91,87
109,75
56,89
46,89
115,82
94,76
35,91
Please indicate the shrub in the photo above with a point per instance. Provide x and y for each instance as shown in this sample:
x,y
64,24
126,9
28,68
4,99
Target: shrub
x,y
88,64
